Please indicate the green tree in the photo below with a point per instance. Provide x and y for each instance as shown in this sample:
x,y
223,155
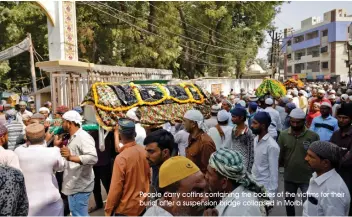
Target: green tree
x,y
190,38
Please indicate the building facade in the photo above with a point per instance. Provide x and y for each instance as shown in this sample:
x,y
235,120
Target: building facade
x,y
318,50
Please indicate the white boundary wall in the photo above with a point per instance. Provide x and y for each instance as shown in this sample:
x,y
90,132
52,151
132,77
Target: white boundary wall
x,y
227,84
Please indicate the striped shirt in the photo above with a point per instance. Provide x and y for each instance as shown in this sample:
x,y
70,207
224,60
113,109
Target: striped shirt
x,y
15,129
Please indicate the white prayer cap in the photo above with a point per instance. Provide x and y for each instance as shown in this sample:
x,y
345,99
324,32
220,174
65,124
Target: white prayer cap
x,y
295,92
232,97
332,92
236,100
317,104
303,92
321,91
73,116
215,108
269,101
253,98
223,115
314,86
242,103
332,96
344,97
197,116
297,113
131,114
289,96
44,109
326,104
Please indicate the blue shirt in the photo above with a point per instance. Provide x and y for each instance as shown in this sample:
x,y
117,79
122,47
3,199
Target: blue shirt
x,y
324,127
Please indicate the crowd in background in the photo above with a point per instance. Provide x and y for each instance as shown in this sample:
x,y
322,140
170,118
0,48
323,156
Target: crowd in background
x,y
238,150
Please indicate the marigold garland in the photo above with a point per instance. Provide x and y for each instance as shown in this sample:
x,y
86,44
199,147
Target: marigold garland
x,y
140,101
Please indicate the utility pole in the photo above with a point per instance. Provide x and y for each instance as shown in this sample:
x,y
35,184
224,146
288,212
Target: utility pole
x,y
34,82
275,52
272,34
349,61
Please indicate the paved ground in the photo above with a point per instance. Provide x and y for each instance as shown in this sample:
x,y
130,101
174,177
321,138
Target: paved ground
x,y
277,210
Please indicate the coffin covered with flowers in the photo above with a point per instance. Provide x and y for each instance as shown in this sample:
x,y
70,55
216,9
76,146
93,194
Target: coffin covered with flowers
x,y
156,103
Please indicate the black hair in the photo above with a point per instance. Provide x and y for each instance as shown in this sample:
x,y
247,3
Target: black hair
x,y
163,138
222,123
74,123
129,136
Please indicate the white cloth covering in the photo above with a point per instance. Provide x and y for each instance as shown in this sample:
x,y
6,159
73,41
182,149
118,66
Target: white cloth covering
x,y
181,139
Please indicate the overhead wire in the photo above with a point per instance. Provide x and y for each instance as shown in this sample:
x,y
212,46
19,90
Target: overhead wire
x,y
142,29
224,42
180,35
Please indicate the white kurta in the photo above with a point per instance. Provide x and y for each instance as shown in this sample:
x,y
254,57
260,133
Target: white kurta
x,y
237,205
215,135
38,164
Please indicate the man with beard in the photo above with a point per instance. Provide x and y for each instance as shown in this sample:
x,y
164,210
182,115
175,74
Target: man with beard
x,y
81,155
227,106
181,183
228,181
332,99
320,99
7,157
324,125
323,157
23,111
343,138
160,146
200,145
293,145
266,154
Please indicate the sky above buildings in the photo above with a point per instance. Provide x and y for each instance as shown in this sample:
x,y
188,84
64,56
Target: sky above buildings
x,y
293,13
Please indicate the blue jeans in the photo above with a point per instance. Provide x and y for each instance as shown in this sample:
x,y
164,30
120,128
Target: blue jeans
x,y
78,203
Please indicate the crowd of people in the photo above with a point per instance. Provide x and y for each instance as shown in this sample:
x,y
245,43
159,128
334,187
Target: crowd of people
x,y
225,165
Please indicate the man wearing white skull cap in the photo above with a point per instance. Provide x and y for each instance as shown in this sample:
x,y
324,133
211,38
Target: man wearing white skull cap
x,y
81,156
140,131
303,102
46,112
295,98
221,133
276,123
320,99
200,145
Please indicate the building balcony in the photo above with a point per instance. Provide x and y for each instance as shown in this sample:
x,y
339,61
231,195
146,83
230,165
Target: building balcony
x,y
306,44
